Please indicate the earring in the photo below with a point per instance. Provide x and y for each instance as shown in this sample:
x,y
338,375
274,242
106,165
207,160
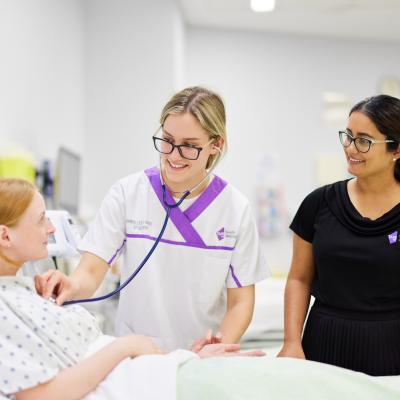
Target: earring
x,y
394,159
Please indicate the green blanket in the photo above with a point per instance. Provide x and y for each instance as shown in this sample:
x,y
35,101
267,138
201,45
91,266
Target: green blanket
x,y
279,378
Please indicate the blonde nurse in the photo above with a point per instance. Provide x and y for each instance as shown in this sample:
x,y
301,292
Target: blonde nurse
x,y
202,274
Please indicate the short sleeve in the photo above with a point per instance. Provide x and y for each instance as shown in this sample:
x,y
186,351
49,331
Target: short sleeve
x,y
248,265
25,361
106,235
303,221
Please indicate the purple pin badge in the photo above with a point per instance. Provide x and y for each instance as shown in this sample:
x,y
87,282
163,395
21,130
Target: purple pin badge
x,y
393,237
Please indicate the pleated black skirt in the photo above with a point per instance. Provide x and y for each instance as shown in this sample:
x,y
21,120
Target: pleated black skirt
x,y
364,342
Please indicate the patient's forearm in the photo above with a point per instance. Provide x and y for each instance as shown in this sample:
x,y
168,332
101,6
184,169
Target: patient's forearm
x,y
239,313
77,381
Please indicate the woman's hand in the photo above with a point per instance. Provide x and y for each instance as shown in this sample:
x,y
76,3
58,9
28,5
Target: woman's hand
x,y
198,344
226,350
293,350
55,284
139,345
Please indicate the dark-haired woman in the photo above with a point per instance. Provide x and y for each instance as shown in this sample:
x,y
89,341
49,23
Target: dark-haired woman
x,y
346,253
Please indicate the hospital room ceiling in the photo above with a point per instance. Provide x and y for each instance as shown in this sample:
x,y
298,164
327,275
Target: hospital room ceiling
x,y
352,19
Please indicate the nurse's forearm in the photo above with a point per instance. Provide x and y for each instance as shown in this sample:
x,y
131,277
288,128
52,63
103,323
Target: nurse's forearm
x,y
82,283
235,323
239,313
88,275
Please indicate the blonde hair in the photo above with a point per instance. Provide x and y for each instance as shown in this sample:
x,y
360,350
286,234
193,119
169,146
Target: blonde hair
x,y
15,197
208,108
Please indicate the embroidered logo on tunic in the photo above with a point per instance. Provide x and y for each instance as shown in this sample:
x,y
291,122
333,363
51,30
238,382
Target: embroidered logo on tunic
x,y
139,224
393,237
221,234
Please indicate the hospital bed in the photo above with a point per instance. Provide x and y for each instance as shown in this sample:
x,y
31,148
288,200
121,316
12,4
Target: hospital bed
x,y
183,376
240,378
278,379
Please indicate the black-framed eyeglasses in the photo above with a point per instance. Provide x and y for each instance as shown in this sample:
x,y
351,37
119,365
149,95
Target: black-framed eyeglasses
x,y
362,144
186,151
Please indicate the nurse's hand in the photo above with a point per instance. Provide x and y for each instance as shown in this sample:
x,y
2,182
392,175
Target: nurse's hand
x,y
227,350
198,344
293,350
55,284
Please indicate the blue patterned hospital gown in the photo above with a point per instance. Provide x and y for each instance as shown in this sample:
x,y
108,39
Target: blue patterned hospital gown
x,y
37,337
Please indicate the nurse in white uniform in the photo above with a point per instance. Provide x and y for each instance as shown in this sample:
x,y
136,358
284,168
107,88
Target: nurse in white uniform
x,y
202,274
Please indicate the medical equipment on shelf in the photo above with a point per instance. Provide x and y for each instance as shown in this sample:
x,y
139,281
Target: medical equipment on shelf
x,y
169,207
64,241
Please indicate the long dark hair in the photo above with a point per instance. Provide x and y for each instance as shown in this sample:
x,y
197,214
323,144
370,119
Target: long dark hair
x,y
384,112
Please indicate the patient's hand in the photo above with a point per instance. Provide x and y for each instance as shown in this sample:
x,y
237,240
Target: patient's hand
x,y
293,350
226,350
198,344
139,345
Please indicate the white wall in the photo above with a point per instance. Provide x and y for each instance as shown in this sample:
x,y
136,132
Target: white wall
x,y
273,87
91,75
133,59
41,75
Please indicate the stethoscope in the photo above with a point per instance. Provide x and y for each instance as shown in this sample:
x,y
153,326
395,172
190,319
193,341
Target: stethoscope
x,y
169,207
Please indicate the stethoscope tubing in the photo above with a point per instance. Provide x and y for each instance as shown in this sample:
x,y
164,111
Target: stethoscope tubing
x,y
169,207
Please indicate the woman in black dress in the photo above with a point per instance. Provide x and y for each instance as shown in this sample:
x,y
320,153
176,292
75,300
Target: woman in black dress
x,y
346,253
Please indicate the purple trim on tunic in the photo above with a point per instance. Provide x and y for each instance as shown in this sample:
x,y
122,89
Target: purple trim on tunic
x,y
141,236
206,198
235,278
118,250
179,219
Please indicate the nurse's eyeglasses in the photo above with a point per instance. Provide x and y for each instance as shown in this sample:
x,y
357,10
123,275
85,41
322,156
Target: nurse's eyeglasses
x,y
362,144
186,151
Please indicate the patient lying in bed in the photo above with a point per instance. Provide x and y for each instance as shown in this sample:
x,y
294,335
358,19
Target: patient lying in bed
x,y
40,339
44,347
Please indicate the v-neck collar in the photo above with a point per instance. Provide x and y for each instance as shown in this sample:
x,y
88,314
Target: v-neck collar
x,y
183,220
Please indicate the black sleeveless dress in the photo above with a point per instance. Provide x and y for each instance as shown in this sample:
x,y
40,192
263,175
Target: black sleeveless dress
x,y
355,320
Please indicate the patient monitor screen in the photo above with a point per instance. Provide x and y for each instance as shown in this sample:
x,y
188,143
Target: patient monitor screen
x,y
68,171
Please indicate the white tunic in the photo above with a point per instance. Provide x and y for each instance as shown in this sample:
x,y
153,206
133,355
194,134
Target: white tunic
x,y
181,291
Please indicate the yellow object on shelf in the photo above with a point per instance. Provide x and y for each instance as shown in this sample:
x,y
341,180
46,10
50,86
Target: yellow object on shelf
x,y
17,166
